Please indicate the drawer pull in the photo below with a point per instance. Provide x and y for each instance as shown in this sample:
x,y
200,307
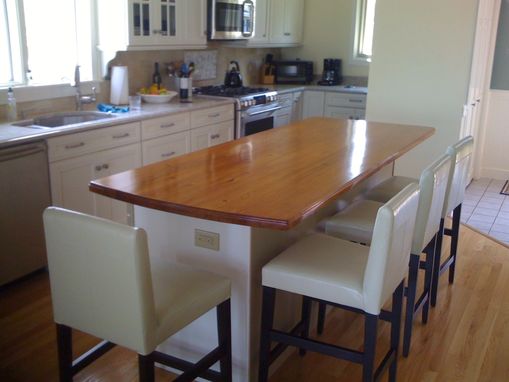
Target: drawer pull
x,y
121,136
287,34
214,115
167,125
355,100
167,155
69,147
98,167
106,166
215,136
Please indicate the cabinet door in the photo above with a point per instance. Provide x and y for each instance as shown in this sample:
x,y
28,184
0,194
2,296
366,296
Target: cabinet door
x,y
211,135
313,104
70,178
196,23
261,34
170,146
298,102
286,21
140,22
283,117
169,21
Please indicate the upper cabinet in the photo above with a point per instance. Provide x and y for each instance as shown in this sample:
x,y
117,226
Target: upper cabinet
x,y
278,23
150,25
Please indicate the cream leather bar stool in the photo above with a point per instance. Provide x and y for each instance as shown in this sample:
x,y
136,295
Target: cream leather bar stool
x,y
348,275
357,221
461,153
103,283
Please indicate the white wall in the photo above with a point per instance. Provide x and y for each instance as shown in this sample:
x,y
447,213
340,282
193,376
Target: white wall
x,y
420,70
328,33
495,162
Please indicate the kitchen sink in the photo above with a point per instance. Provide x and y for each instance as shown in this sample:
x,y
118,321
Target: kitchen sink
x,y
64,119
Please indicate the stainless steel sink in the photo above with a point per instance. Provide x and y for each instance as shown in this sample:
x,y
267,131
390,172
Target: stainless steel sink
x,y
64,119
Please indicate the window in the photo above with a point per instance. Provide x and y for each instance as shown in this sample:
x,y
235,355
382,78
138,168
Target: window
x,y
44,41
365,23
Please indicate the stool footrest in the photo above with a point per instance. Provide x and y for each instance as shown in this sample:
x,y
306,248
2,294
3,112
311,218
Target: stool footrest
x,y
389,358
280,347
446,264
448,231
317,346
190,370
91,355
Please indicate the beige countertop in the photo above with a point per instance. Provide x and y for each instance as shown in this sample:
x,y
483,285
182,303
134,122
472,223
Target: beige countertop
x,y
12,135
338,89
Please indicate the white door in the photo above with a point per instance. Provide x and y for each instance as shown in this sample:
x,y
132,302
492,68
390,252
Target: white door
x,y
482,55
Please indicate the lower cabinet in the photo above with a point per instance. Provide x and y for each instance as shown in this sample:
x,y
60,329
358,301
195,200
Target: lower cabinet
x,y
211,135
70,178
313,104
334,105
167,147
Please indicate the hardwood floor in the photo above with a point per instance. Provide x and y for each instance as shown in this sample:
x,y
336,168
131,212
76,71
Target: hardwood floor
x,y
466,339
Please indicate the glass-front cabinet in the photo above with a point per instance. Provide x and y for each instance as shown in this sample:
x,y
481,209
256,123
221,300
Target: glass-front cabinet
x,y
156,22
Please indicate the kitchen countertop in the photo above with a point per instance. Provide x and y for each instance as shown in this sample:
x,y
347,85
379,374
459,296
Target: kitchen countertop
x,y
13,135
264,180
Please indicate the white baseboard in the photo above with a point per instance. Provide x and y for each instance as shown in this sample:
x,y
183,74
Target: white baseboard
x,y
495,173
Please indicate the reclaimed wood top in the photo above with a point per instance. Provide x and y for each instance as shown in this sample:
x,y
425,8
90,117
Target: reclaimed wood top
x,y
272,179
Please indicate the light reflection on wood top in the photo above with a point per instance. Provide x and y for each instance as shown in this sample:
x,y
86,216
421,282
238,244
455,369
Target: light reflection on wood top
x,y
272,179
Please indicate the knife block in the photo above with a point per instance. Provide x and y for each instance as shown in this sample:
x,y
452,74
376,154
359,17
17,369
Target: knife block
x,y
267,74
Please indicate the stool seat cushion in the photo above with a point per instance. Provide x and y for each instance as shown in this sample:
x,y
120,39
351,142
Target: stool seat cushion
x,y
321,267
388,188
355,222
182,294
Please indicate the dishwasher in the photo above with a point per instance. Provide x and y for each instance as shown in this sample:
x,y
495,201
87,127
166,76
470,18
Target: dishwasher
x,y
24,194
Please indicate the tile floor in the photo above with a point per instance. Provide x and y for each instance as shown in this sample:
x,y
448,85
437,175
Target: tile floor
x,y
485,209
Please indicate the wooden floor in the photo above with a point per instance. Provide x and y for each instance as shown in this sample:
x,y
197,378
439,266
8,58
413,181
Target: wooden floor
x,y
466,339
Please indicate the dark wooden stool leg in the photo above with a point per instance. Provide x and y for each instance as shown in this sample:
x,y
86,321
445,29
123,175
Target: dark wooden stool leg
x,y
305,317
428,275
269,299
410,298
370,330
64,343
321,317
146,368
436,264
397,308
456,219
224,339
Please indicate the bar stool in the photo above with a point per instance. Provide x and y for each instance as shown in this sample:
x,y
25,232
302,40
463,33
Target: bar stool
x,y
357,221
103,283
347,275
461,153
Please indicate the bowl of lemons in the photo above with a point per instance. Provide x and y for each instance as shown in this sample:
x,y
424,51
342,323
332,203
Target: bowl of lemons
x,y
155,94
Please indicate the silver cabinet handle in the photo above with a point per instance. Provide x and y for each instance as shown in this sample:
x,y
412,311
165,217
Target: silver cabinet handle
x,y
69,147
157,31
105,166
265,111
121,136
287,34
215,136
167,125
98,167
355,100
214,115
167,155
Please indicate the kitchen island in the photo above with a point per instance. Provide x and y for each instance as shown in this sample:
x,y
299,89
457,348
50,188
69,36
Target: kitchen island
x,y
231,208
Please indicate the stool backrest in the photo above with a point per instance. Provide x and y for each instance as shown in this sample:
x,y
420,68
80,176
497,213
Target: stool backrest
x,y
433,186
461,155
389,252
100,277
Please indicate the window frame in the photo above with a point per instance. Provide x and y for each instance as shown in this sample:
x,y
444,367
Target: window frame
x,y
359,31
25,92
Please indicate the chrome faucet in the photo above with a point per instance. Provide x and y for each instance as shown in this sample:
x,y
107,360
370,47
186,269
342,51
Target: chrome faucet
x,y
82,98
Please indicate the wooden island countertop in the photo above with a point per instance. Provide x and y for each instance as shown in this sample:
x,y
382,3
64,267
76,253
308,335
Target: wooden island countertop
x,y
272,179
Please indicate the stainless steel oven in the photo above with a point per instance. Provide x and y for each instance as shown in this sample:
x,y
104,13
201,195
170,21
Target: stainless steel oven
x,y
230,19
256,119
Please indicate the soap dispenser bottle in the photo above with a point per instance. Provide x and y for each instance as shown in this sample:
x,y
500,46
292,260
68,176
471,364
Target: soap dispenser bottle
x,y
12,112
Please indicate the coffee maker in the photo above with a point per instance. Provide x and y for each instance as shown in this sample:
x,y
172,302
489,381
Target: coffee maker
x,y
331,72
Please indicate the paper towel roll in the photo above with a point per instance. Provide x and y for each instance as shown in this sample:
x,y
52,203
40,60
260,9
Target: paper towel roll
x,y
119,94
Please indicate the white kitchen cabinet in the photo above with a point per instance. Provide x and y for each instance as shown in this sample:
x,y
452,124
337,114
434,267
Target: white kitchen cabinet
x,y
166,147
70,177
286,22
298,103
261,33
211,135
150,25
313,104
284,115
345,105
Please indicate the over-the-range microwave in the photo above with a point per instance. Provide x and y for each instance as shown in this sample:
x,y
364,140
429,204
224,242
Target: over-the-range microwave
x,y
230,19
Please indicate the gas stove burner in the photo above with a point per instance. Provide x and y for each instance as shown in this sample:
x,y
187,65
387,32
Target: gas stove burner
x,y
223,91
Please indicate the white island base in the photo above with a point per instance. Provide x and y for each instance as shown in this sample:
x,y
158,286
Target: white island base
x,y
243,251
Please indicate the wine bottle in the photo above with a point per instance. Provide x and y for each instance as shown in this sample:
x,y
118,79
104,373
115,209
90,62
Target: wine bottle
x,y
156,77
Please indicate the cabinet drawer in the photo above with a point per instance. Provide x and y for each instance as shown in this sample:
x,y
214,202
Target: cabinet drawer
x,y
210,116
344,112
157,127
72,145
285,100
209,136
170,146
346,100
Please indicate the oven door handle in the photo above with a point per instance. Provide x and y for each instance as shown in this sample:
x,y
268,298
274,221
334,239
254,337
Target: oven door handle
x,y
265,111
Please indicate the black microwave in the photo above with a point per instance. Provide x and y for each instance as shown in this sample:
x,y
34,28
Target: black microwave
x,y
293,72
